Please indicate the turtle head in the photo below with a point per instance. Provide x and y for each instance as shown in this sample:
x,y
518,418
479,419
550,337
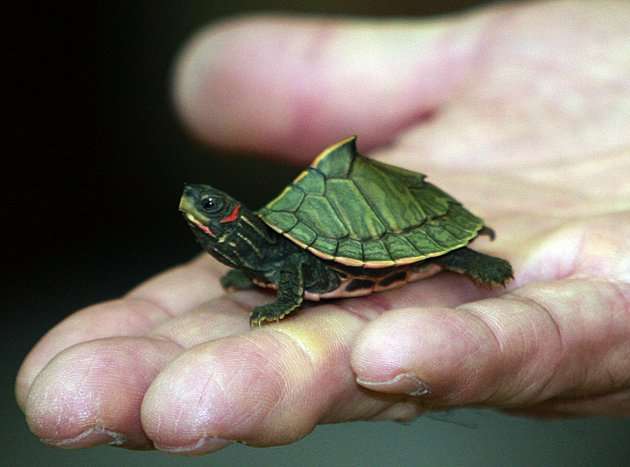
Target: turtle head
x,y
208,211
227,230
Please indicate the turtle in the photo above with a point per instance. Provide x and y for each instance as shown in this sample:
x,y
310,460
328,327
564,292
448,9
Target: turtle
x,y
347,226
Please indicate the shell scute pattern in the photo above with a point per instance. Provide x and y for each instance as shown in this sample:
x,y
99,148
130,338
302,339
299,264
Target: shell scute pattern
x,y
362,212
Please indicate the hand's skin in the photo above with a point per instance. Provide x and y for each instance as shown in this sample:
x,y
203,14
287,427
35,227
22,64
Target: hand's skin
x,y
522,112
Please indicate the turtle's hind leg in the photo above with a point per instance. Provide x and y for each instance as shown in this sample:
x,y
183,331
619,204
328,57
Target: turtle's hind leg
x,y
485,269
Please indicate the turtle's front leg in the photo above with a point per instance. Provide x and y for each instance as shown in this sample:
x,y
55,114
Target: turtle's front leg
x,y
289,298
237,280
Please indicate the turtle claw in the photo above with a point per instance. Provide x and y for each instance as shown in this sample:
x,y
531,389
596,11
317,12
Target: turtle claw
x,y
253,323
259,315
267,314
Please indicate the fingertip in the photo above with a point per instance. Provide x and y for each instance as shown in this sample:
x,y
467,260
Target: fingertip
x,y
227,390
267,387
252,83
291,86
90,394
423,352
195,67
113,318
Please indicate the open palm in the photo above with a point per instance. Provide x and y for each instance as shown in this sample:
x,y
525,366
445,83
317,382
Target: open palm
x,y
520,112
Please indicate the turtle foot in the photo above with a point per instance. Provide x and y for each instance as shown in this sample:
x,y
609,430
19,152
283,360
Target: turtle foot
x,y
272,312
486,270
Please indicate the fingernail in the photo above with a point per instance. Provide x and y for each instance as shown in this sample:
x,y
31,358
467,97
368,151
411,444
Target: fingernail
x,y
406,383
91,437
202,446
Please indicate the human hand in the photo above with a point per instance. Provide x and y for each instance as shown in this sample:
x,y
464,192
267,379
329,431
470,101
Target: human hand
x,y
521,112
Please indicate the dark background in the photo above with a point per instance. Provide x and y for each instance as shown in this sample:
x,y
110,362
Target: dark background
x,y
91,210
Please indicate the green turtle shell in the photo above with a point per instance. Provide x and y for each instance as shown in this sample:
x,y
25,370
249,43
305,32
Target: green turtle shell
x,y
361,212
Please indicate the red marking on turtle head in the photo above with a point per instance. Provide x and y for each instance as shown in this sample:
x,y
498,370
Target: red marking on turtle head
x,y
232,216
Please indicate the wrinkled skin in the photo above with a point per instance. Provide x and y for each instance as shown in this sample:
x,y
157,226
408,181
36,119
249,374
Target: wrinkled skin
x,y
521,111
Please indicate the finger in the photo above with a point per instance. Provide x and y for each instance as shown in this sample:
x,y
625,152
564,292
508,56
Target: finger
x,y
291,86
90,393
154,302
567,338
273,385
269,387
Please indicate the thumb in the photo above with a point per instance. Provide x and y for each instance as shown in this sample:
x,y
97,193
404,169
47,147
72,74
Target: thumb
x,y
290,86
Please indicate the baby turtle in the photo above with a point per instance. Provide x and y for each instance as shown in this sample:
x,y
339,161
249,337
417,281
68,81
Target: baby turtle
x,y
346,226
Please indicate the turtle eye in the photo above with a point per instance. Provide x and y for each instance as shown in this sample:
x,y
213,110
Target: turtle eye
x,y
211,204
